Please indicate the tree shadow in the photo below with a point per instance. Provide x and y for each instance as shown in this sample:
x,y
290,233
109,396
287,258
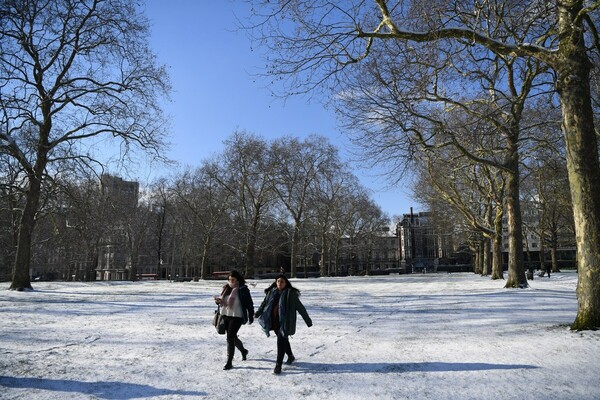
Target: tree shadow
x,y
323,368
101,390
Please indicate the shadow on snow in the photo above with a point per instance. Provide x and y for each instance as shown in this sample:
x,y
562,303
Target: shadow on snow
x,y
318,368
102,390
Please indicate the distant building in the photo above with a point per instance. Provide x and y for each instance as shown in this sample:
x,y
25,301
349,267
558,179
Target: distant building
x,y
121,193
372,254
112,256
384,257
421,246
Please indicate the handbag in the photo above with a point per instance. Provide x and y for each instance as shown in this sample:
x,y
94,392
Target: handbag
x,y
219,322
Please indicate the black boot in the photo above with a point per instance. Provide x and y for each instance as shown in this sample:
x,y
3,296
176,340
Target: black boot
x,y
290,359
240,347
229,364
230,351
277,369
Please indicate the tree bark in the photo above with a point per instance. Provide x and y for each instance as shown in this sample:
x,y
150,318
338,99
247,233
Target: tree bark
x,y
323,268
573,86
477,262
584,179
516,269
251,244
21,279
485,271
203,267
497,257
294,251
553,255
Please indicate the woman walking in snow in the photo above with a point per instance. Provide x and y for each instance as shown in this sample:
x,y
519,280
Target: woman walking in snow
x,y
278,313
237,309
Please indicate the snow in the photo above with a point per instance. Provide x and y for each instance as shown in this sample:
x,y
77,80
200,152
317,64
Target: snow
x,y
431,336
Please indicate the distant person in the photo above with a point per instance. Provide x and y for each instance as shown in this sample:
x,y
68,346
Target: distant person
x,y
277,313
237,309
548,269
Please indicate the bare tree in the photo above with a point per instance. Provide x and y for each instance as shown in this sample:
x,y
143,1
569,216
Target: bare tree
x,y
400,101
476,191
136,225
297,167
326,36
200,192
10,201
246,173
162,208
87,214
325,199
353,222
69,71
548,193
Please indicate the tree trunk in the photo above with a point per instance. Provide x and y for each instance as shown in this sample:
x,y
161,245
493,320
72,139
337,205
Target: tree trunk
x,y
485,271
294,251
573,86
542,255
497,272
477,264
91,274
203,266
497,257
133,258
133,271
323,269
250,254
554,259
21,279
251,245
584,179
516,269
351,269
553,255
336,257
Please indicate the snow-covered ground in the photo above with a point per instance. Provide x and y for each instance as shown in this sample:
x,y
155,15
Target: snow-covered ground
x,y
435,336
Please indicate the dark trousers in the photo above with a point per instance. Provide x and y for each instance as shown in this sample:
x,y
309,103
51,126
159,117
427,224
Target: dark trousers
x,y
233,325
283,347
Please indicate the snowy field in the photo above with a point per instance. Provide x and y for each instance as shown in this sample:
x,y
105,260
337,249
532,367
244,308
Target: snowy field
x,y
435,336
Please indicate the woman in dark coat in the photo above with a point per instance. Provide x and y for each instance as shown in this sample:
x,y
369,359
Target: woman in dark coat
x,y
237,309
278,313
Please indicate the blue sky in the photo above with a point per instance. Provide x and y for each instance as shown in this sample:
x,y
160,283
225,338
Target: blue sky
x,y
216,90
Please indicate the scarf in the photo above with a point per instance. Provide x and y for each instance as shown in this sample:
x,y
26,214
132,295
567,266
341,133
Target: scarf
x,y
283,312
265,318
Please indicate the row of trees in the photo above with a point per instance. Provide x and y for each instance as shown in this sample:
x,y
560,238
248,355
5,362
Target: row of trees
x,y
259,200
462,193
476,83
479,80
290,198
287,194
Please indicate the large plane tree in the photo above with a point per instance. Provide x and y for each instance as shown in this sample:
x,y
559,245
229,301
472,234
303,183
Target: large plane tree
x,y
315,42
72,71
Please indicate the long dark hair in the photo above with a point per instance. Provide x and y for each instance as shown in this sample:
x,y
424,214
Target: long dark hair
x,y
288,284
237,276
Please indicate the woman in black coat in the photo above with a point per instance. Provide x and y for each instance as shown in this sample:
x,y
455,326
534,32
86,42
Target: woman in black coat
x,y
237,309
278,313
